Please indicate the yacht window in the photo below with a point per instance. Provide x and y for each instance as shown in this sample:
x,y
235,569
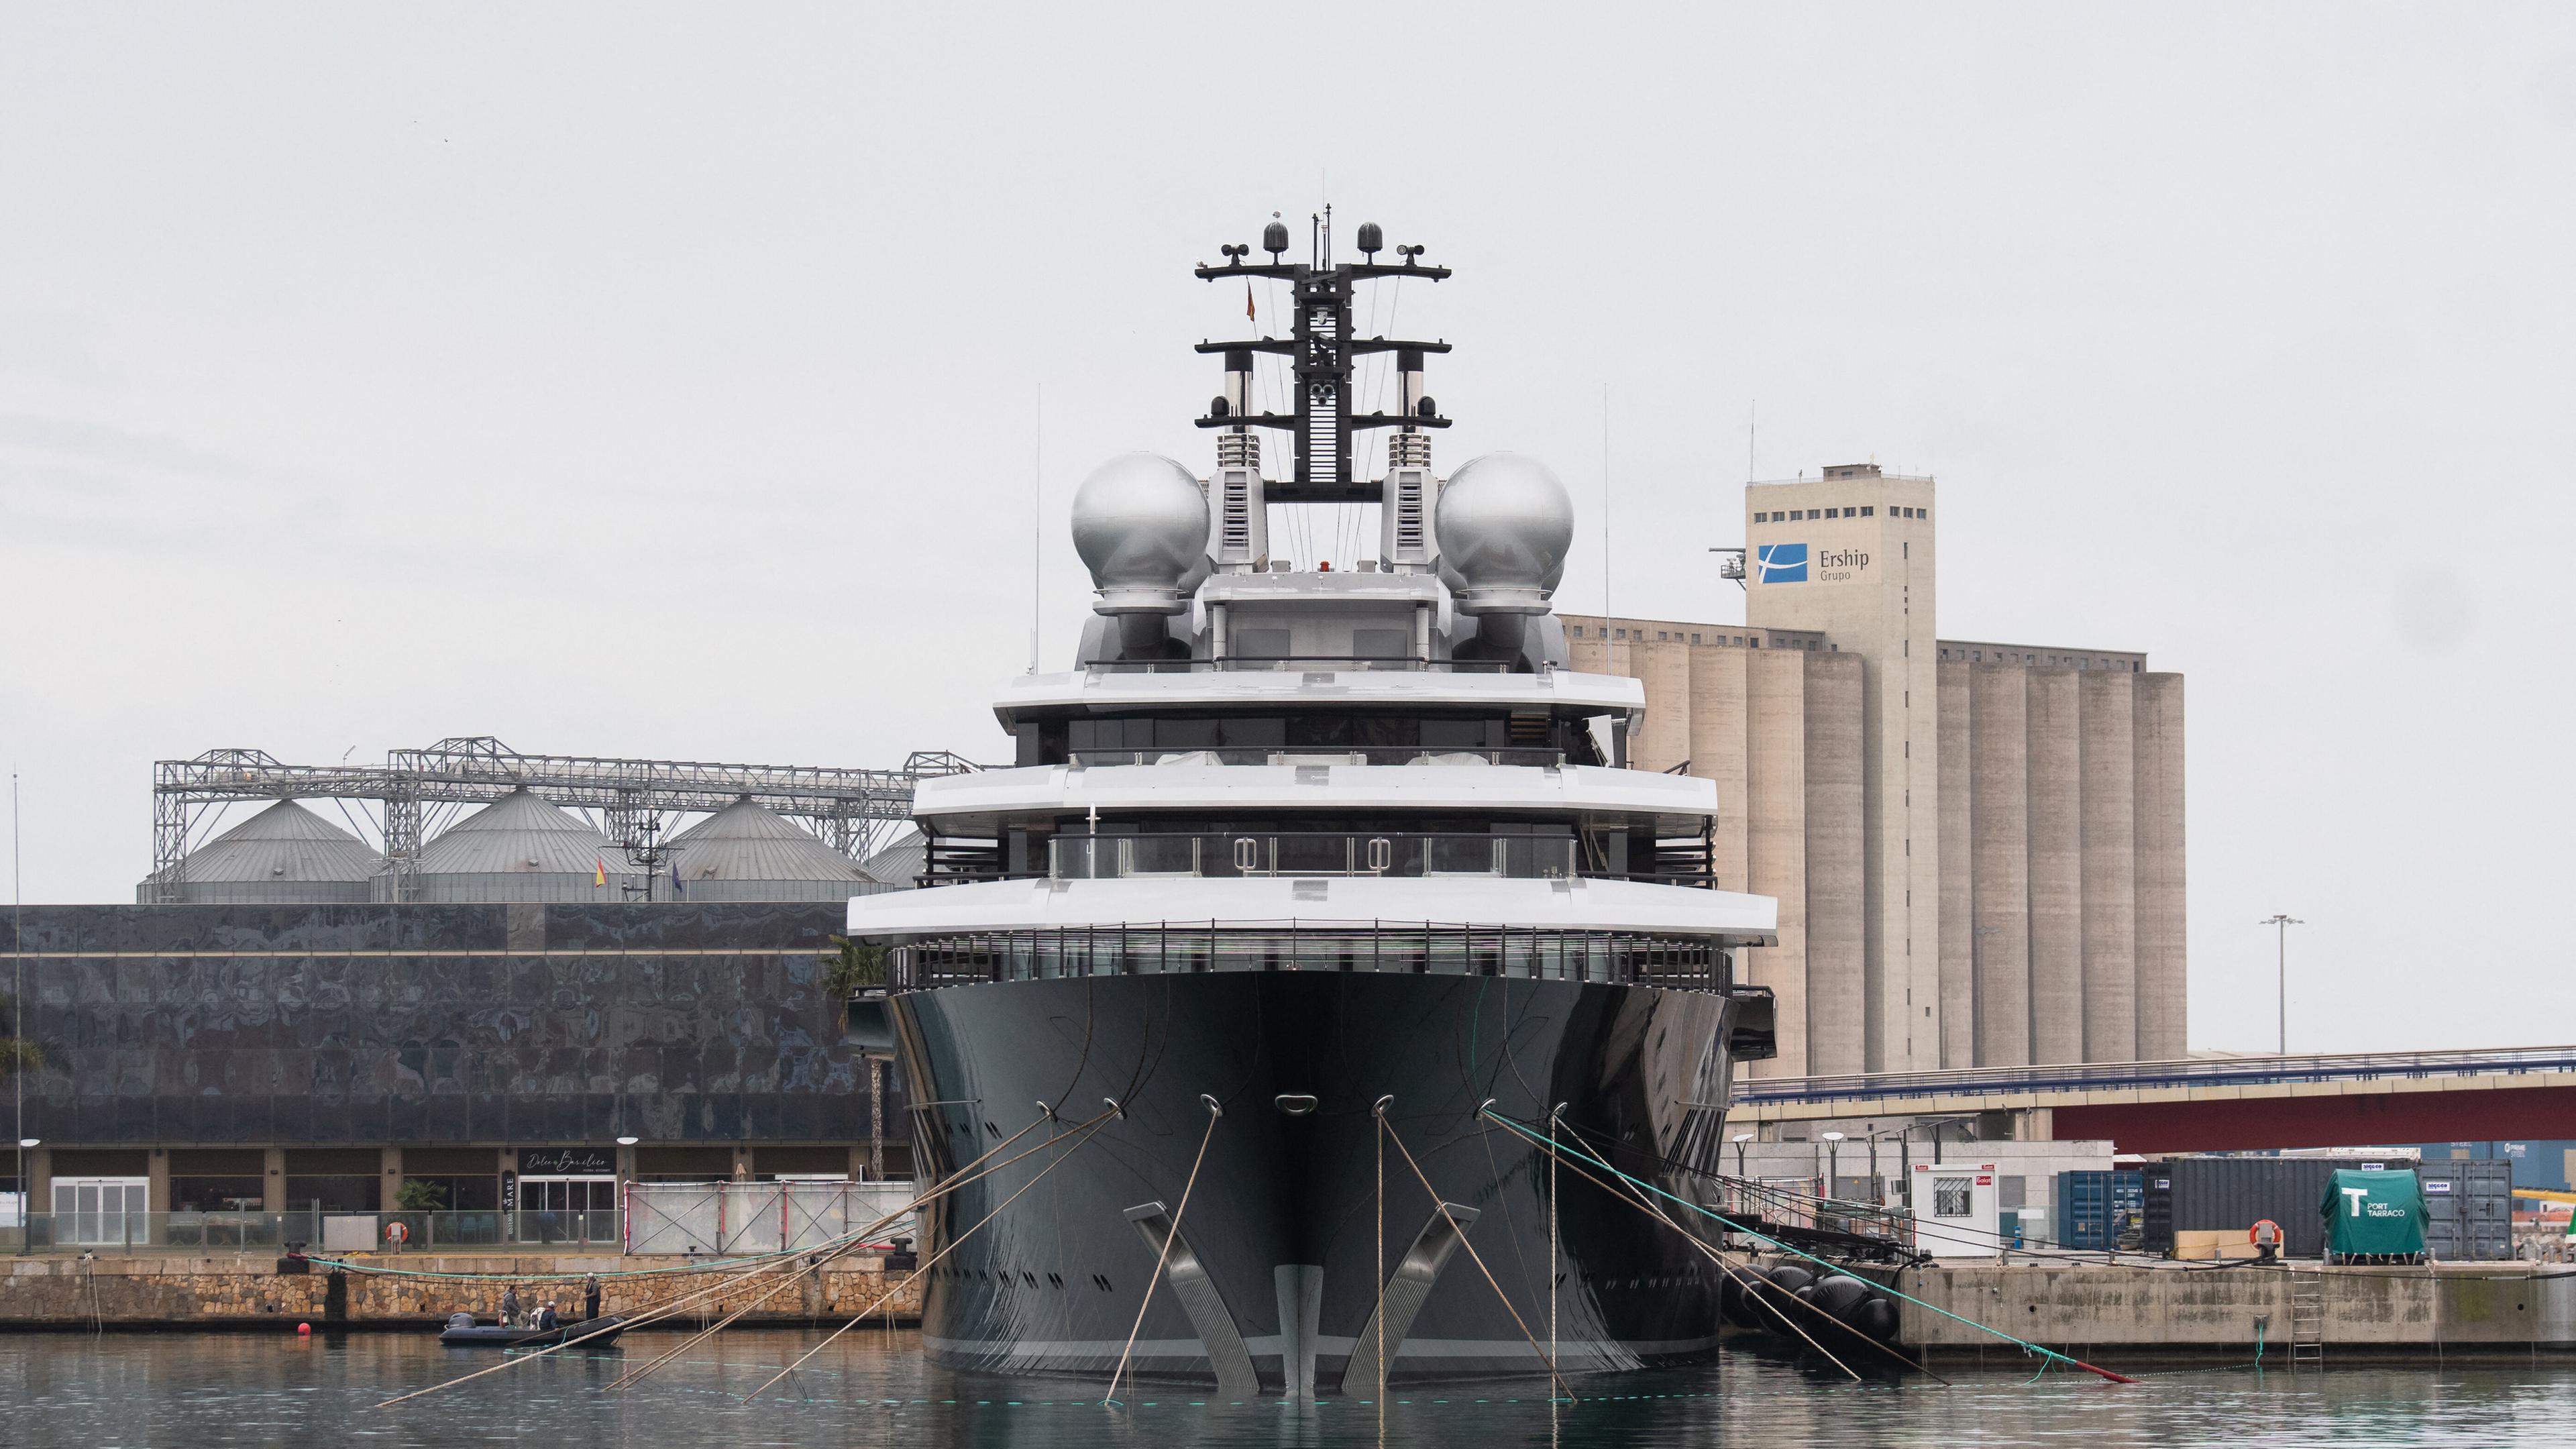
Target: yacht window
x,y
1241,734
1455,734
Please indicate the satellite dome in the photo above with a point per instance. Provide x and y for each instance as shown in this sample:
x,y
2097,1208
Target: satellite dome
x,y
1504,524
1141,526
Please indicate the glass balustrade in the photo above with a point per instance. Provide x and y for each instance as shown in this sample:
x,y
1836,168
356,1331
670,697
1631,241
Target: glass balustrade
x,y
1239,855
1416,755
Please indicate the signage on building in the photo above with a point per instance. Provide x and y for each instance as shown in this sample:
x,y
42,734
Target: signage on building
x,y
1834,553
567,1162
1780,563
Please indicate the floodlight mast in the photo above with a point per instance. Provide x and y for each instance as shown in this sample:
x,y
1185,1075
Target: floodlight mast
x,y
1322,354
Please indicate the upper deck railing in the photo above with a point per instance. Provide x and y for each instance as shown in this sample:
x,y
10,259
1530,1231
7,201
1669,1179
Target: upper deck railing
x,y
1319,663
1389,947
1239,855
1435,755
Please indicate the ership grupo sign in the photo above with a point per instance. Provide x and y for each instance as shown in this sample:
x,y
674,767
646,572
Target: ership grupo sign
x,y
1826,561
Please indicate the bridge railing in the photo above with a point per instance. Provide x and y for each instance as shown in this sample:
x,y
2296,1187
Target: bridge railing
x,y
2097,1076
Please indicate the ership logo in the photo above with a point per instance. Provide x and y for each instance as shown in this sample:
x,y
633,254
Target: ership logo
x,y
1780,563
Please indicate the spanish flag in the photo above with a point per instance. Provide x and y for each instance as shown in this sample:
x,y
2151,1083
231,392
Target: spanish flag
x,y
598,871
1248,314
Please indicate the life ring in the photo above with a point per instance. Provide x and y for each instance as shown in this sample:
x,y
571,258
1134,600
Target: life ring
x,y
397,1233
2254,1234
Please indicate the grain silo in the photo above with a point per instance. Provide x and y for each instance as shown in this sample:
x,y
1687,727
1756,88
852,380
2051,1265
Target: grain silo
x,y
1977,847
520,848
284,855
746,853
900,861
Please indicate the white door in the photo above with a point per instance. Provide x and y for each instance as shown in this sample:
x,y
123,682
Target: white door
x,y
567,1209
102,1211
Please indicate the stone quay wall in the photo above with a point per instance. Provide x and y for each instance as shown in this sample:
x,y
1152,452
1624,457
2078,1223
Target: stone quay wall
x,y
2397,1311
167,1291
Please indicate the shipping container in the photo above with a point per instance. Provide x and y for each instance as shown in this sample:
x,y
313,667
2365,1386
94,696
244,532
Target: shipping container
x,y
2468,1209
2095,1209
2201,1194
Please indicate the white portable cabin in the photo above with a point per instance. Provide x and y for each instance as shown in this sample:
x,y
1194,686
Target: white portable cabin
x,y
1954,1209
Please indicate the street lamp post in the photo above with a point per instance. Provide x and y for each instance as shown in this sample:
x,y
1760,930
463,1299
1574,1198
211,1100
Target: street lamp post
x,y
2281,925
1833,1165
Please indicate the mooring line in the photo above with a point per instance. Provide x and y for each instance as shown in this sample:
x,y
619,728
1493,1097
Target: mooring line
x,y
1742,1277
1088,1127
1732,1272
721,1324
658,1312
1441,1206
951,1183
1734,1226
1214,1112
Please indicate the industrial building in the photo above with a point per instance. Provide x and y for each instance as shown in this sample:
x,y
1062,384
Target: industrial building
x,y
440,969
1977,848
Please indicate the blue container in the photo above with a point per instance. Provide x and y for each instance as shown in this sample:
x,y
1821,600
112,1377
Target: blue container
x,y
2095,1208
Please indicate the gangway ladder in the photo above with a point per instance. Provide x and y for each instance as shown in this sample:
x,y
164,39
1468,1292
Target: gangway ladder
x,y
2307,1317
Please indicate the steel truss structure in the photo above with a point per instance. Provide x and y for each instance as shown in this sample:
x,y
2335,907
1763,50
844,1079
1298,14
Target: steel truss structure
x,y
855,811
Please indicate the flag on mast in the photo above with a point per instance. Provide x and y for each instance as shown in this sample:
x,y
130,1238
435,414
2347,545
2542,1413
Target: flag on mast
x,y
1248,314
598,871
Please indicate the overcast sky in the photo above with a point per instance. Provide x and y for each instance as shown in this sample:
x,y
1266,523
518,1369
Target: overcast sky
x,y
625,380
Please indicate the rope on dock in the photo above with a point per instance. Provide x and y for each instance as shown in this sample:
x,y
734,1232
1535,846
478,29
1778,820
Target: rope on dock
x,y
1555,1379
703,1265
1088,1127
1214,1112
1733,1226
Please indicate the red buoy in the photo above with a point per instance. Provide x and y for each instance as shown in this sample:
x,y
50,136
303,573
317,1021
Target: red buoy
x,y
304,1328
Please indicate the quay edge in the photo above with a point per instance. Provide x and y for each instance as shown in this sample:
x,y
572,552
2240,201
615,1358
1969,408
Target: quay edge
x,y
167,1291
2132,1312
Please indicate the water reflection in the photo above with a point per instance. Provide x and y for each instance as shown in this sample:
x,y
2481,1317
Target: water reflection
x,y
873,1388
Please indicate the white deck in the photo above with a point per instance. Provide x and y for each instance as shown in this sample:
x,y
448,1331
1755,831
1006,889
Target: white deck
x,y
1577,905
1560,690
969,804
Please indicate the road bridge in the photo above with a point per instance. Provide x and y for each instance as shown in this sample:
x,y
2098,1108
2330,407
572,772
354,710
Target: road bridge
x,y
2216,1104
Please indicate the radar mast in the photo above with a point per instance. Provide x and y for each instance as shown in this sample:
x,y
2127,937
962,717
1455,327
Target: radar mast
x,y
1322,352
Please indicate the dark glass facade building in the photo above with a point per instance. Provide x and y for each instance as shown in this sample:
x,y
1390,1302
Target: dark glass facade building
x,y
246,1045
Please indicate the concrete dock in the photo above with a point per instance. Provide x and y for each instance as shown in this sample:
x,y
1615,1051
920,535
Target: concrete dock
x,y
2135,1310
164,1290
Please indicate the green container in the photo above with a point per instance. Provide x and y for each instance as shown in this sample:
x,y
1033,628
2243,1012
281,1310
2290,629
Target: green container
x,y
2373,1214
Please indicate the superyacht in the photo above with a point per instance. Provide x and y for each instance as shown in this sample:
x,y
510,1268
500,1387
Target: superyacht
x,y
1303,875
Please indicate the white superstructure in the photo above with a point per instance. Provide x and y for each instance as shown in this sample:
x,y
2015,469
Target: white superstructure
x,y
1244,741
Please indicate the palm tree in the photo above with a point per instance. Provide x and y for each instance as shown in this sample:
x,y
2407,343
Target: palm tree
x,y
849,968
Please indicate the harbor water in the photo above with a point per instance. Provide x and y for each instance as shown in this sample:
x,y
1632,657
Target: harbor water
x,y
873,1388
